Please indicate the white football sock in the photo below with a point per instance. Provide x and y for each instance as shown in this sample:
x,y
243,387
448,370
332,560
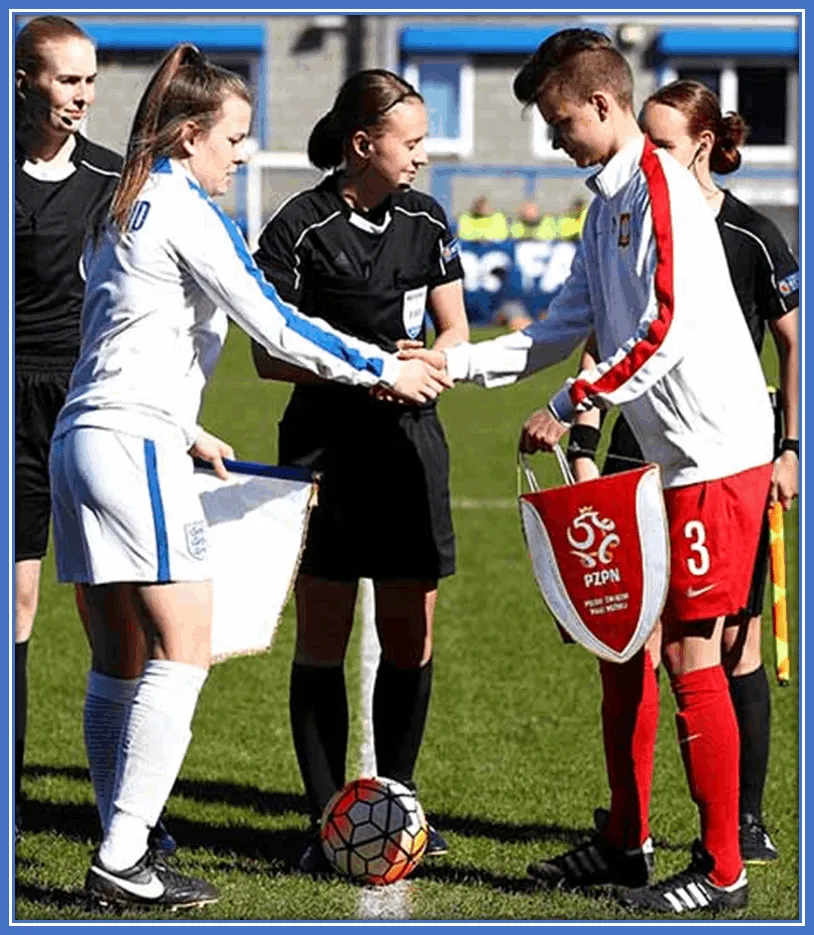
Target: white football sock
x,y
107,701
154,743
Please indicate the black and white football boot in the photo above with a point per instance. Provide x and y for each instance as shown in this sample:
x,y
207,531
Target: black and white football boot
x,y
756,845
690,891
149,882
596,862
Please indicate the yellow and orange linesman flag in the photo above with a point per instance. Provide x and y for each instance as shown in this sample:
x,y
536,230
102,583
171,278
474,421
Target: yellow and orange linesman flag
x,y
780,627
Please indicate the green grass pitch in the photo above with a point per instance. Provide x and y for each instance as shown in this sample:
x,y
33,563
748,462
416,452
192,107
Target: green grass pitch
x,y
512,764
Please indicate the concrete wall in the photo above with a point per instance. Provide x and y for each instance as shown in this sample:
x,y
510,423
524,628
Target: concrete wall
x,y
304,68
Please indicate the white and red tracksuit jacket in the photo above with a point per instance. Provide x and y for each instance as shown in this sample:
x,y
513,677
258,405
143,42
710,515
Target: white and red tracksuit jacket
x,y
651,281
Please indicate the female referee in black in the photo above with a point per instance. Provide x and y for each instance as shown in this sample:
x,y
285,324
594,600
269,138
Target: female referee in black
x,y
63,182
63,187
366,252
685,118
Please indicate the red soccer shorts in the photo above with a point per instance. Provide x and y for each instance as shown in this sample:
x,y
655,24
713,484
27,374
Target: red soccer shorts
x,y
714,534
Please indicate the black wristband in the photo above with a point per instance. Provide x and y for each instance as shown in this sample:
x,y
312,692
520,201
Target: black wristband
x,y
789,444
583,442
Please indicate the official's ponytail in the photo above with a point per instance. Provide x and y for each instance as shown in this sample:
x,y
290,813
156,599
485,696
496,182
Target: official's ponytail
x,y
363,103
325,144
702,110
725,156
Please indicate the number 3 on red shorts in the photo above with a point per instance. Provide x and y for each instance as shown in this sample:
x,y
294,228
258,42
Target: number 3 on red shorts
x,y
694,529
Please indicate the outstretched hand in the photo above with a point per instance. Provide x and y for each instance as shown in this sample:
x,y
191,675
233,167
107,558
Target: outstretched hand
x,y
384,393
435,359
541,432
211,448
418,382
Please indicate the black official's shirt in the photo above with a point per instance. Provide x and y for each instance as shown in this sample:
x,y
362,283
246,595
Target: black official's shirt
x,y
51,222
763,270
368,275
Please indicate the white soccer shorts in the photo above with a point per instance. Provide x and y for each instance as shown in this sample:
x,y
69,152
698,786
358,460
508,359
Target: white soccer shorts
x,y
125,509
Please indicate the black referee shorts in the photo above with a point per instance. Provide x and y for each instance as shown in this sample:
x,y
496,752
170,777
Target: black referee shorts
x,y
623,445
39,393
384,505
624,453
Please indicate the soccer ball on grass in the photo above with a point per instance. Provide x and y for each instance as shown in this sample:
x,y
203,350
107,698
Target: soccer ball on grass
x,y
374,830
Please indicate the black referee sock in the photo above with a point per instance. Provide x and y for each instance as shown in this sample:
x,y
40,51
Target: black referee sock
x,y
318,705
20,719
750,697
401,699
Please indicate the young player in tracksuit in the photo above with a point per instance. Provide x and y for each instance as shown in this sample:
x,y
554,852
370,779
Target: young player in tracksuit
x,y
685,119
650,281
161,278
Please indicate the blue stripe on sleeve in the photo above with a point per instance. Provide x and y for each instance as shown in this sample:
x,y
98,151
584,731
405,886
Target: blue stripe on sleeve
x,y
296,322
161,545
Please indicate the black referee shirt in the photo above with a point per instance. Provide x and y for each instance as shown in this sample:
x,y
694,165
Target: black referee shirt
x,y
762,268
51,221
366,274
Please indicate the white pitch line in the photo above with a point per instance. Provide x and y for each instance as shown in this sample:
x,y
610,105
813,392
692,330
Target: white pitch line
x,y
375,902
465,503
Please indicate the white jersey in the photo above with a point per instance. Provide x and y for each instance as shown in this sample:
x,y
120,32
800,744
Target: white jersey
x,y
155,313
651,281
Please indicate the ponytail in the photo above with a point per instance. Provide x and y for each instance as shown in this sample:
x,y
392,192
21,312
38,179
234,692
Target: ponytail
x,y
363,103
702,109
326,142
725,156
184,88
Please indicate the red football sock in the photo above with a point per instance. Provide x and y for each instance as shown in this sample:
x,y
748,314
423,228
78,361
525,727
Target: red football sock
x,y
708,735
630,716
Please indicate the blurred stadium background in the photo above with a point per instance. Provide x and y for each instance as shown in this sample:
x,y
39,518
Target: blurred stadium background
x,y
480,143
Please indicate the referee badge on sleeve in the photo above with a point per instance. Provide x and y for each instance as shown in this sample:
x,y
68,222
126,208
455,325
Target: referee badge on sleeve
x,y
415,304
450,250
790,284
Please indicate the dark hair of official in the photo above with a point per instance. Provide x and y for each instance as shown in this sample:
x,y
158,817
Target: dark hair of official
x,y
363,103
581,60
185,88
29,51
28,47
702,109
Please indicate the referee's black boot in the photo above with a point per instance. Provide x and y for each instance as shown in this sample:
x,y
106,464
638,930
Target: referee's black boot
x,y
436,845
756,845
312,859
160,841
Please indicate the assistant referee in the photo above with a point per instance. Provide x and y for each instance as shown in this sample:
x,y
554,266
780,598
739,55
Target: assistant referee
x,y
685,118
63,185
370,255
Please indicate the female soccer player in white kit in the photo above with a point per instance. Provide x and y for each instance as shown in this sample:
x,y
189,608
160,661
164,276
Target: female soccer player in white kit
x,y
161,278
